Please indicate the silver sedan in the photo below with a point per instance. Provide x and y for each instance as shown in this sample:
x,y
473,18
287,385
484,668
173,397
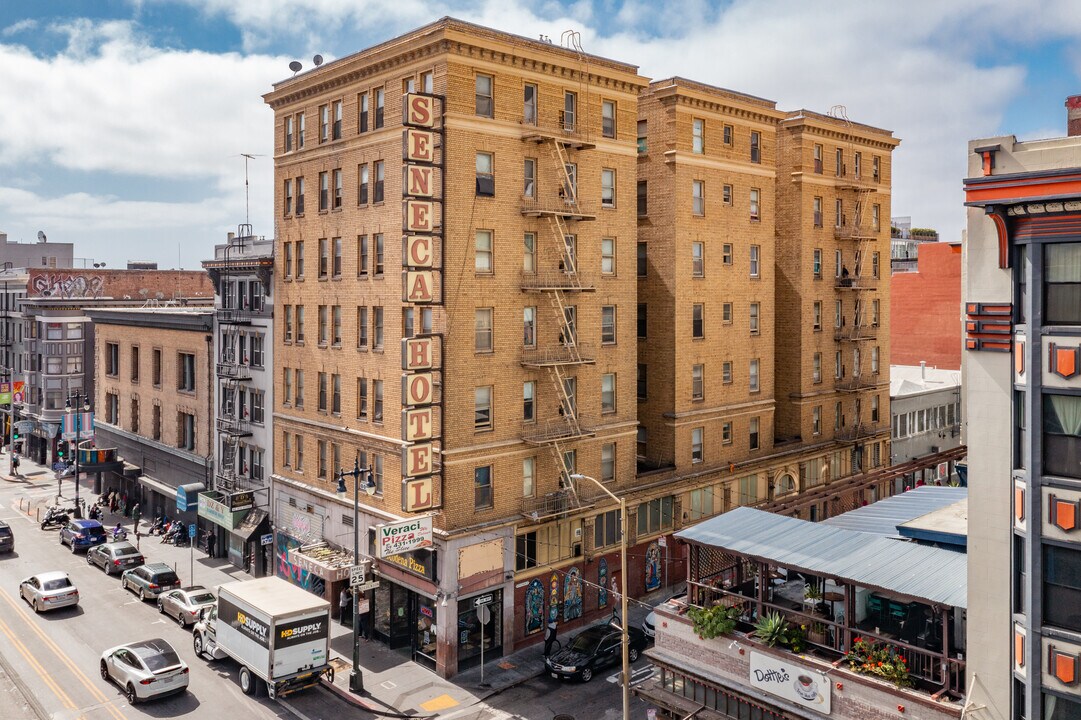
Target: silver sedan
x,y
145,669
185,604
49,591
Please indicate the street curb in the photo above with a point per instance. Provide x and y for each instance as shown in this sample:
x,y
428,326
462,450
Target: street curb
x,y
350,699
24,689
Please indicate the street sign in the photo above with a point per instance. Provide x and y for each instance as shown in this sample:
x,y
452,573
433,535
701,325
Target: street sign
x,y
25,426
267,539
191,530
662,541
482,600
365,587
356,575
484,614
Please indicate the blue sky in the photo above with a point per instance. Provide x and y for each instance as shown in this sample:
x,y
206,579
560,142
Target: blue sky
x,y
124,120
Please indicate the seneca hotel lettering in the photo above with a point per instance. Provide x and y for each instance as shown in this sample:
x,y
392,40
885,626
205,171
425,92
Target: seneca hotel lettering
x,y
421,486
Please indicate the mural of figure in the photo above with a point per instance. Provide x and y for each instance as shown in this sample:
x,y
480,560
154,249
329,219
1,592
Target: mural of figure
x,y
534,607
653,567
602,582
572,595
553,599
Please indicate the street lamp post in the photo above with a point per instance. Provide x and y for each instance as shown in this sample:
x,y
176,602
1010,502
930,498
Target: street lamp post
x,y
626,673
78,433
356,676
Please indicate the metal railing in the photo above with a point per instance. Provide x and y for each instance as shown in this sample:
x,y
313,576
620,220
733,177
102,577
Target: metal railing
x,y
559,354
556,429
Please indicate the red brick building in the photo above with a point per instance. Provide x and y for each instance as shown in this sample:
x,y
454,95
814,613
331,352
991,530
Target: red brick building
x,y
925,311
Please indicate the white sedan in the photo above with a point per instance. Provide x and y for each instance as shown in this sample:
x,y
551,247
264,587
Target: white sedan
x,y
145,669
49,591
185,604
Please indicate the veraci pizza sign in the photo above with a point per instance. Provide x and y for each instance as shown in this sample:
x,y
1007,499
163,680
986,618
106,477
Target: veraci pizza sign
x,y
405,536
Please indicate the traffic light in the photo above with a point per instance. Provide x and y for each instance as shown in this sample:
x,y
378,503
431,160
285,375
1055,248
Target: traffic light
x,y
15,436
61,450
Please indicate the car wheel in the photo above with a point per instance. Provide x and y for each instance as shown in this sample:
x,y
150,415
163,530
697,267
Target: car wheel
x,y
587,675
247,681
37,606
180,620
88,560
105,671
129,693
73,550
161,607
197,644
632,654
61,538
142,594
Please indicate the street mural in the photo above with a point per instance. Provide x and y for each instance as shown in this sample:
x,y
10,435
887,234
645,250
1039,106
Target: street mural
x,y
534,607
572,595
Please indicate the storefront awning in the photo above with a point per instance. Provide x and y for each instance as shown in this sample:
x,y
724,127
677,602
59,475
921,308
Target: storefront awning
x,y
157,486
328,563
251,523
187,496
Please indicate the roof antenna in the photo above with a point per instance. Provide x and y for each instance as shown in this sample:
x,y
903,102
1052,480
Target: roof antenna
x,y
247,201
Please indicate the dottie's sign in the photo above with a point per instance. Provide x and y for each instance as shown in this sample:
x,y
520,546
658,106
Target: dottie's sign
x,y
792,682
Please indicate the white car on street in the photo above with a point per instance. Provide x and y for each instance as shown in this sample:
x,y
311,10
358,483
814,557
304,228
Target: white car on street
x,y
145,669
49,591
185,604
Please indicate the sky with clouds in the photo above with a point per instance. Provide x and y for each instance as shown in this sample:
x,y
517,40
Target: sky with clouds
x,y
124,121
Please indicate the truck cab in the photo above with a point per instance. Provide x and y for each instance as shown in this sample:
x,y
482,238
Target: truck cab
x,y
205,636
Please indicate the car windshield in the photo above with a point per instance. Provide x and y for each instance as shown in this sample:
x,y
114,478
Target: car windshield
x,y
56,584
126,552
586,642
157,655
202,598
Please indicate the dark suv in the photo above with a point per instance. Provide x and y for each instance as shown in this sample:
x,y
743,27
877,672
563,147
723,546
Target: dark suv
x,y
7,539
149,581
82,534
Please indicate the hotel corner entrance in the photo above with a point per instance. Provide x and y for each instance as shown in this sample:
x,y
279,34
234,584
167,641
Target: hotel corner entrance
x,y
405,621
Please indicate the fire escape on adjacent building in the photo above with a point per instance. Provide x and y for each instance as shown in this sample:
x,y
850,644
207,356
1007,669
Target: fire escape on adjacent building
x,y
557,276
857,229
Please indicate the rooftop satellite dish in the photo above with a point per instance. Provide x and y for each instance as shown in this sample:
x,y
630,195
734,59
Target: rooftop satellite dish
x,y
41,236
318,60
295,66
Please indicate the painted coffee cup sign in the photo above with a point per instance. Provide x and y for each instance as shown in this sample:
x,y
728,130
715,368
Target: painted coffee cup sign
x,y
792,682
404,536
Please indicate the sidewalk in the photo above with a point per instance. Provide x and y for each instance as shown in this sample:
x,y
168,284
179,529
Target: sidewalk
x,y
394,685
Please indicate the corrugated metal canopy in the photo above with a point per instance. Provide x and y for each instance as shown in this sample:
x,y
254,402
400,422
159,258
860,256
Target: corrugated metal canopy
x,y
906,568
884,516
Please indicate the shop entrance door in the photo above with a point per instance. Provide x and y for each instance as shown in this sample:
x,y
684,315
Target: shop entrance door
x,y
401,614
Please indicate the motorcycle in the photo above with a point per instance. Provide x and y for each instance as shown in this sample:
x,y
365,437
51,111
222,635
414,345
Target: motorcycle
x,y
119,533
55,517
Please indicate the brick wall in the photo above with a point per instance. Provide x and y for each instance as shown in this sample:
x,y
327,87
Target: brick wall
x,y
119,284
925,314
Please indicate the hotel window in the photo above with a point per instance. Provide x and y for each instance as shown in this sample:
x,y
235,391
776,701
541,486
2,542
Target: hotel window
x,y
482,487
876,217
875,169
529,471
362,328
300,323
838,365
698,262
698,390
112,359
362,184
726,433
655,515
186,372
726,313
608,462
380,174
287,385
726,254
336,130
726,194
288,134
698,136
298,397
300,131
874,313
838,316
726,372
298,457
529,326
642,320
529,253
300,204
727,134
608,187
701,504
484,105
529,392
818,212
362,398
874,408
752,435
324,259
482,408
324,192
529,104
569,113
608,118
816,263
756,146
698,197
818,159
377,401
643,197
753,383
324,123
568,335
642,259
570,389
288,204
697,451
323,327
362,103
642,381
409,85
336,266
755,210
608,324
483,331
485,175
755,311
321,452
483,256
608,256
697,321
874,360
185,430
336,327
377,328
641,443
529,188
840,162
380,98
608,393
643,143
874,264
112,408
755,252
1062,284
816,420
337,178
817,371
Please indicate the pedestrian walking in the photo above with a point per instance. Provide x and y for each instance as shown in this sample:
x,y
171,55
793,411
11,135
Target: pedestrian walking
x,y
343,604
362,617
549,636
135,516
211,542
15,464
112,501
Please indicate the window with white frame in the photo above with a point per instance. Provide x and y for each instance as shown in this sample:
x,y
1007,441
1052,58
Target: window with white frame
x,y
698,389
483,254
698,263
817,372
608,256
697,448
756,210
608,393
698,136
754,316
698,196
608,462
753,380
754,265
608,187
482,408
483,341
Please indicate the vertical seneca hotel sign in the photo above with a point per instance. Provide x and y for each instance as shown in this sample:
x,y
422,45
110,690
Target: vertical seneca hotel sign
x,y
422,230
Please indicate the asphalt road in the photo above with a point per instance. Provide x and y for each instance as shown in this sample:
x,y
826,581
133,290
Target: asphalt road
x,y
52,659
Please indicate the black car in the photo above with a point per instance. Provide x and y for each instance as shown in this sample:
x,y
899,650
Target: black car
x,y
7,540
591,650
115,557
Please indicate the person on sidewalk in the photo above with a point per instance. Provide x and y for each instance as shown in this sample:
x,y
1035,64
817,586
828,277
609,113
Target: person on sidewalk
x,y
343,604
15,465
550,636
362,618
211,542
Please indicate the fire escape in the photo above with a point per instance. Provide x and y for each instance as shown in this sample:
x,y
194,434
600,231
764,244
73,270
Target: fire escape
x,y
858,230
558,277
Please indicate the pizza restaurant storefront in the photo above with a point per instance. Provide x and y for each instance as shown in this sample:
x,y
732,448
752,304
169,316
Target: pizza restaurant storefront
x,y
403,612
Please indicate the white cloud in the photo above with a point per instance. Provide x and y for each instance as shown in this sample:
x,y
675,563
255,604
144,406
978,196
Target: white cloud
x,y
19,27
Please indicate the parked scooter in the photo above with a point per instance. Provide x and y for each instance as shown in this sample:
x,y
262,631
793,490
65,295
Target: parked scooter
x,y
56,517
119,533
177,534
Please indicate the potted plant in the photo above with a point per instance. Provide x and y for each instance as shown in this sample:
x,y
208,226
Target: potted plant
x,y
871,658
771,629
816,633
711,622
812,592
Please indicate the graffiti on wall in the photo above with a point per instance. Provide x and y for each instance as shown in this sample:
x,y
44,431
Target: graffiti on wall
x,y
287,570
68,285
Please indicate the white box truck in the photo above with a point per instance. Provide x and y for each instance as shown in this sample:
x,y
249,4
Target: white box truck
x,y
278,632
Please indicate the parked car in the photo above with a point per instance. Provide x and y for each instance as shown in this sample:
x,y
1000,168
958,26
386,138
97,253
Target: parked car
x,y
149,581
185,604
145,670
82,534
7,538
49,591
591,650
649,625
115,557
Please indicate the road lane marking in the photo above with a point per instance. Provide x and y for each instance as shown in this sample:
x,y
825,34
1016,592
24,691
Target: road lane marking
x,y
638,675
292,708
79,674
36,666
